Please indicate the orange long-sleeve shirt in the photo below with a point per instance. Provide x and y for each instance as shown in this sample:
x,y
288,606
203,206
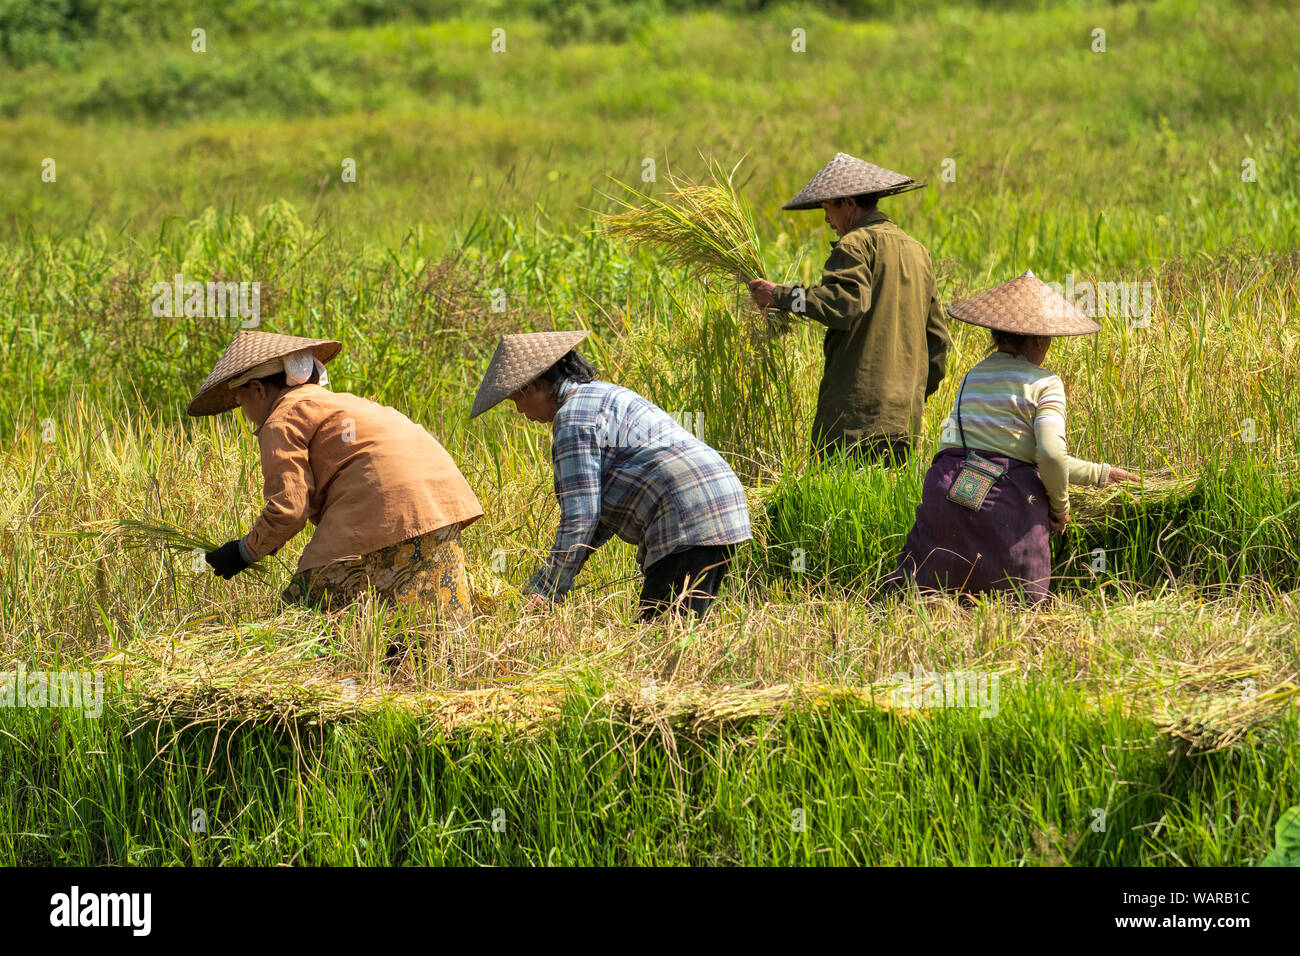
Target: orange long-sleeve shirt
x,y
363,473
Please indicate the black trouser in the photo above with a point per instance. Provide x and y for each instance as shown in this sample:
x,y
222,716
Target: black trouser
x,y
705,565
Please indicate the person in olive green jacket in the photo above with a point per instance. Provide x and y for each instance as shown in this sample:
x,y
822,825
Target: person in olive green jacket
x,y
887,341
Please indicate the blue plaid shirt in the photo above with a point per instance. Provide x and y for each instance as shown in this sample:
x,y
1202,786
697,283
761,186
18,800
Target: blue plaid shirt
x,y
624,466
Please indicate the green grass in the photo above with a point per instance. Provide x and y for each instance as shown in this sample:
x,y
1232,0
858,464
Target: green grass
x,y
446,131
949,789
1240,525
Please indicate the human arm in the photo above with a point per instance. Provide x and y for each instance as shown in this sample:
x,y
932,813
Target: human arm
x,y
288,484
937,342
577,458
1049,438
1058,469
843,295
1052,464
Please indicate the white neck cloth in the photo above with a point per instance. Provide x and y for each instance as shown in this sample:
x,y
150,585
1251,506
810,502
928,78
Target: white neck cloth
x,y
297,368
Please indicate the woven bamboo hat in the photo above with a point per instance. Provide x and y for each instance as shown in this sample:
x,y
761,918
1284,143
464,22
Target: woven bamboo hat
x,y
249,350
518,360
847,175
1026,305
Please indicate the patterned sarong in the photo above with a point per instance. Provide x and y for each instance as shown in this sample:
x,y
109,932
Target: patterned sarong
x,y
429,569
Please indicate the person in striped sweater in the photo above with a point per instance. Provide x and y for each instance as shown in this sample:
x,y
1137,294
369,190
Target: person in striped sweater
x,y
999,483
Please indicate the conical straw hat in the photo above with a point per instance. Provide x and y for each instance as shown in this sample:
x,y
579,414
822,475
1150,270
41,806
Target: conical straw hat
x,y
1026,305
247,351
518,360
847,175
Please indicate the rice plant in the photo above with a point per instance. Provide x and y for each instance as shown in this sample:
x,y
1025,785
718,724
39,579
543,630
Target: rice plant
x,y
706,228
152,533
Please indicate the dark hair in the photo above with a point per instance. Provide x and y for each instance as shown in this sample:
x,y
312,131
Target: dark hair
x,y
281,381
1015,340
571,367
866,201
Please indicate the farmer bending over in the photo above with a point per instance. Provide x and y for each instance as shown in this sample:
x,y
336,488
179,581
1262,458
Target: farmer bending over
x,y
386,498
622,466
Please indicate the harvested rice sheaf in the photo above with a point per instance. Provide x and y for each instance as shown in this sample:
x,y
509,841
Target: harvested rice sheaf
x,y
272,673
487,589
150,533
707,228
1212,705
1156,491
704,227
242,675
246,674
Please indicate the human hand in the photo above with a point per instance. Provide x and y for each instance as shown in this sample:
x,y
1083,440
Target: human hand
x,y
760,290
536,602
1059,522
1118,474
226,560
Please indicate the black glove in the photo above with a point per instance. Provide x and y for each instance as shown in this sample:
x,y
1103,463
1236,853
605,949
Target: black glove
x,y
226,560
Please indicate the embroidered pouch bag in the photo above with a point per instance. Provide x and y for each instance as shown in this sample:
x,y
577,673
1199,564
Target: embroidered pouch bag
x,y
974,481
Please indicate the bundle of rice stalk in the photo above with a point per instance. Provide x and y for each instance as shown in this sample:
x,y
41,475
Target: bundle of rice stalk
x,y
1211,721
705,227
279,676
701,709
1214,704
487,589
1156,489
150,533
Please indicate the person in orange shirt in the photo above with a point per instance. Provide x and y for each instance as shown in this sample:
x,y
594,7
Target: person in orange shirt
x,y
387,500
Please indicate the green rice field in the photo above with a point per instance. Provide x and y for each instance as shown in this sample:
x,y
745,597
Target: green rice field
x,y
1147,716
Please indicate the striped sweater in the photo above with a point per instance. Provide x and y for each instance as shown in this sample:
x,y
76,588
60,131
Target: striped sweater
x,y
1012,407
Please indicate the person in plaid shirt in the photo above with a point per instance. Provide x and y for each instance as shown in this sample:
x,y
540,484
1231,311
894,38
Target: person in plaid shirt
x,y
625,467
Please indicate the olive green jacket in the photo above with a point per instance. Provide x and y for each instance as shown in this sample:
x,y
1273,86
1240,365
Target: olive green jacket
x,y
886,339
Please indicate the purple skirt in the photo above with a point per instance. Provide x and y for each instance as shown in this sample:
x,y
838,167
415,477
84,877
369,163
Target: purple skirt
x,y
1005,546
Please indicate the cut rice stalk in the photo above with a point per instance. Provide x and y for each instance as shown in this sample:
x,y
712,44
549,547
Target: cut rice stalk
x,y
149,532
705,227
1156,489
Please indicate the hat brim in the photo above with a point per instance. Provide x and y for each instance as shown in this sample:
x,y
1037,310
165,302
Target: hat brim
x,y
218,398
1023,306
516,363
877,193
1088,329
